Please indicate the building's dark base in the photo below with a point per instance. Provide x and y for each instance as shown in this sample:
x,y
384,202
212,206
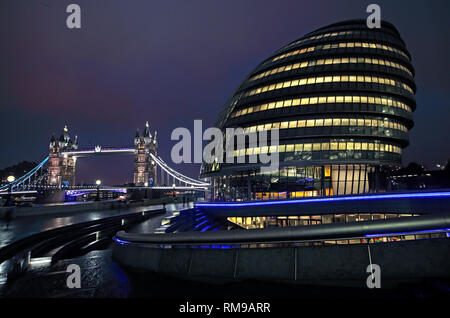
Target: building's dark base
x,y
343,266
103,278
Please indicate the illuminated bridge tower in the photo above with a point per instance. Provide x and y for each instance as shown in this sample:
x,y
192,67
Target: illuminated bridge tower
x,y
144,166
61,170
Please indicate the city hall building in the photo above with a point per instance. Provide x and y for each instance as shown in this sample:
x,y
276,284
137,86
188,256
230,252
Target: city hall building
x,y
342,99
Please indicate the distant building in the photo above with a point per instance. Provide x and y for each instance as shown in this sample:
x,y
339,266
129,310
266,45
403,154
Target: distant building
x,y
63,154
144,166
61,169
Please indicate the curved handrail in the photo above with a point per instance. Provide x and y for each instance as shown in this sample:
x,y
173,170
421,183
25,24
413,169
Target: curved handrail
x,y
393,226
444,193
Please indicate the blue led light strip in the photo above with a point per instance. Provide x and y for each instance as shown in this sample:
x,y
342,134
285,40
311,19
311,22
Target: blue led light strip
x,y
119,241
332,199
200,224
205,228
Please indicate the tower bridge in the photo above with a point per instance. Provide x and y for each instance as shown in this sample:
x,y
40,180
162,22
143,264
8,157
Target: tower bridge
x,y
58,169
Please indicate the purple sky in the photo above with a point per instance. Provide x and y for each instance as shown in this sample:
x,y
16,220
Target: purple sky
x,y
170,62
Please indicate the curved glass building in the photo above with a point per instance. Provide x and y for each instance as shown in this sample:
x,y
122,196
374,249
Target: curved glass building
x,y
342,98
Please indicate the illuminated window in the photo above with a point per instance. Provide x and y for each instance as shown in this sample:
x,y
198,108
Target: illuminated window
x,y
329,99
340,45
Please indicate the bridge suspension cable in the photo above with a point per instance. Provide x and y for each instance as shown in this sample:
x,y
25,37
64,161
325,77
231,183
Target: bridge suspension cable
x,y
179,174
25,177
176,174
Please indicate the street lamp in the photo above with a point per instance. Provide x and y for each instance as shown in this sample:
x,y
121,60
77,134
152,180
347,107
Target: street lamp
x,y
10,179
145,190
98,182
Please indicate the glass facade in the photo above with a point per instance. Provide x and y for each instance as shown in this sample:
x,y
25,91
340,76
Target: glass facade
x,y
341,99
301,181
305,220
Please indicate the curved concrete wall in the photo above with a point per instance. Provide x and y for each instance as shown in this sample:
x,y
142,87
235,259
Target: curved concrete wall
x,y
330,265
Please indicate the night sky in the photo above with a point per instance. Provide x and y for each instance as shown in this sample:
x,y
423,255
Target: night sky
x,y
170,62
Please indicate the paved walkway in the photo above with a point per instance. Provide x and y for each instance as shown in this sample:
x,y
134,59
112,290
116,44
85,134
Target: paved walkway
x,y
25,226
101,276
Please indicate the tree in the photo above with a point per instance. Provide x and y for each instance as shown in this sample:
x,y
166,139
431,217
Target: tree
x,y
17,170
447,166
415,168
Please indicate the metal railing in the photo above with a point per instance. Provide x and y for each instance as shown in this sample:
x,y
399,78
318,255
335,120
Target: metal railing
x,y
323,232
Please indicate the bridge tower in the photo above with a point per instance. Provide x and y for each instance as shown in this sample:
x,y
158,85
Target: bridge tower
x,y
61,169
144,166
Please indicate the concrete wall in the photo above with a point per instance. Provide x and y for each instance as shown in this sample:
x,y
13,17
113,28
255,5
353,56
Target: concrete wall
x,y
50,196
343,265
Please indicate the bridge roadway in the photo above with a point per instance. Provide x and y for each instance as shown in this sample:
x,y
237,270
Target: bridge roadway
x,y
25,182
